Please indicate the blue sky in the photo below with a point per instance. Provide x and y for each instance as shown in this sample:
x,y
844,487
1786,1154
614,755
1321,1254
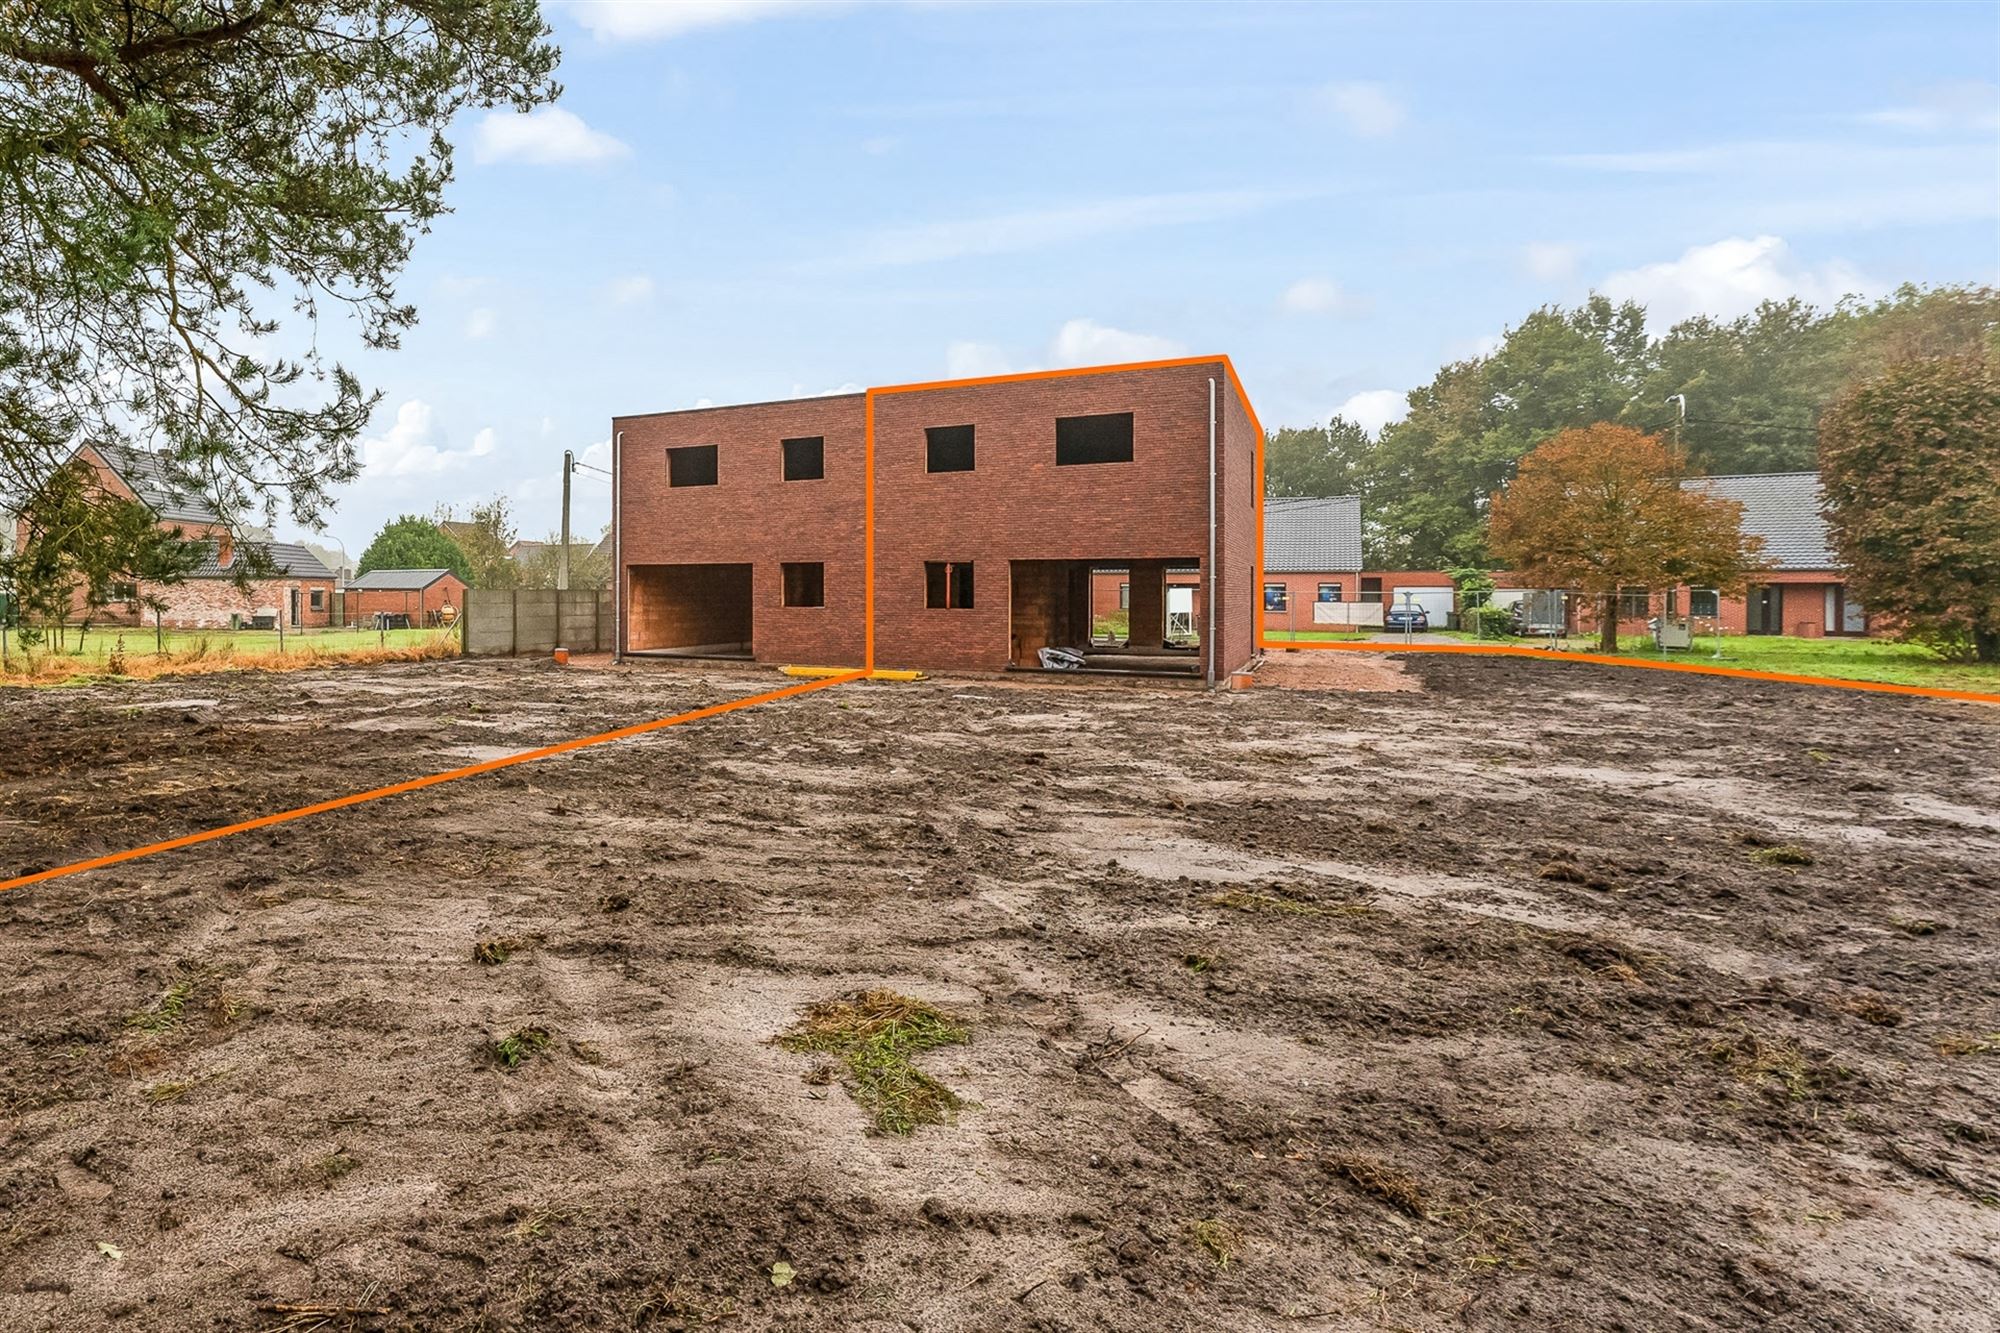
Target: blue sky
x,y
738,202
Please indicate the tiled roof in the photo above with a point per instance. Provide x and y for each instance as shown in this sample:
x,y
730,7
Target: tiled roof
x,y
286,559
150,479
396,580
1303,536
1783,509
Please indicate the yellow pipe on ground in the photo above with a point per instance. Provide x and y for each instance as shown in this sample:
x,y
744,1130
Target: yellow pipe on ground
x,y
816,672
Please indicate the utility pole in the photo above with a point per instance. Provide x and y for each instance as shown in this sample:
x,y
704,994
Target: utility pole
x,y
562,556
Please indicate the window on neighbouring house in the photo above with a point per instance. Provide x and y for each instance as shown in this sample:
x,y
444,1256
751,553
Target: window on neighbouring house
x,y
948,585
1329,592
124,592
1124,597
947,448
1634,603
693,465
1275,597
1105,438
1371,590
805,584
1703,602
319,599
805,458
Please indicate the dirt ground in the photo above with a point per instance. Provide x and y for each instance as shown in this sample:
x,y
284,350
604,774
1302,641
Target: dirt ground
x,y
1498,994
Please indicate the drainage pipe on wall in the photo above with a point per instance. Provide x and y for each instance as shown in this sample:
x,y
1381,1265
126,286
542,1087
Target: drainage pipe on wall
x,y
617,550
1208,634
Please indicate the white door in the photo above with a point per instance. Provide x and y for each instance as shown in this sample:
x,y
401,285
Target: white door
x,y
1436,602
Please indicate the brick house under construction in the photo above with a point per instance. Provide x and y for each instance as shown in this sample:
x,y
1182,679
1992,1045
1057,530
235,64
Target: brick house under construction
x,y
739,531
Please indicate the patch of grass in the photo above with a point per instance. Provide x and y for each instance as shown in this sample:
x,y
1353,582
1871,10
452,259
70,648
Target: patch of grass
x,y
1871,1008
1200,962
168,1092
1787,854
1919,926
1960,1044
167,1012
536,1223
225,1007
1766,1062
1381,1181
495,951
191,652
1222,1241
335,1165
876,1034
521,1045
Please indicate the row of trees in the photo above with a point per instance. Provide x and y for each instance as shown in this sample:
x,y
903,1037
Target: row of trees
x,y
1757,388
1909,463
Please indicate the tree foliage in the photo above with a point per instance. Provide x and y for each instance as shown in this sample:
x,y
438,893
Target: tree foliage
x,y
173,172
410,542
1755,387
589,564
1910,470
486,536
1602,508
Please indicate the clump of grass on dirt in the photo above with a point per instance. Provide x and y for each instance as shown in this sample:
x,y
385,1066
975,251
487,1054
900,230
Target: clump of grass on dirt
x,y
876,1034
495,951
520,1046
1960,1044
1785,854
1770,1061
167,1011
1919,926
1222,1241
1380,1180
1200,962
335,1165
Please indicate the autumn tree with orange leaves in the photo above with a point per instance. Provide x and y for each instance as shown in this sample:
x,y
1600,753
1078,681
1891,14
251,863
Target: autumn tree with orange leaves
x,y
1600,508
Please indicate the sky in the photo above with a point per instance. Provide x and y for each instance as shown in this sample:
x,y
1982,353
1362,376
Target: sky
x,y
738,202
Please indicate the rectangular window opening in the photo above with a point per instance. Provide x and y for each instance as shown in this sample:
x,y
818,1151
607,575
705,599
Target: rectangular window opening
x,y
805,584
1329,592
319,599
1634,603
947,448
1276,597
1371,590
1104,438
805,458
693,465
1703,602
948,585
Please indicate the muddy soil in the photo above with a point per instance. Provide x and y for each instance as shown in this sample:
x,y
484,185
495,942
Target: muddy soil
x,y
1529,996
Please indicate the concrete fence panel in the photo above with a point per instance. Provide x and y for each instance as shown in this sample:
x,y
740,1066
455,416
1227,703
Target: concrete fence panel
x,y
532,621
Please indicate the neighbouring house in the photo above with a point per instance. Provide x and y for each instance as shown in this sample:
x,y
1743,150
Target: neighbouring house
x,y
426,596
251,584
740,530
1803,593
459,530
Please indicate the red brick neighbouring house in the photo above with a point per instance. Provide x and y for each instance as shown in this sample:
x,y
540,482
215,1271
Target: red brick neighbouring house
x,y
253,584
421,594
740,529
1804,593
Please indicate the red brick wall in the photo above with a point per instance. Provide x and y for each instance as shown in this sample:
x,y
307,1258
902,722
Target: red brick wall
x,y
209,603
1016,504
753,516
449,590
1802,596
1236,518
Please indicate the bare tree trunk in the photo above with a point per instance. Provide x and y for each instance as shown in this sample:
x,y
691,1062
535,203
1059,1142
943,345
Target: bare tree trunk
x,y
1607,624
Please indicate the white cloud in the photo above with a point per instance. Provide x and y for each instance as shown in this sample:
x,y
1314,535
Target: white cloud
x,y
1550,261
1373,409
1009,233
1730,278
1973,106
1320,296
1368,110
410,447
971,361
481,323
1085,342
546,136
630,289
640,20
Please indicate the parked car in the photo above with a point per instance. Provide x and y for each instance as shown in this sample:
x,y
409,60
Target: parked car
x,y
1413,618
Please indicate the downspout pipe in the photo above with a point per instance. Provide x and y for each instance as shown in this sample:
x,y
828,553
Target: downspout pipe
x,y
1208,603
617,548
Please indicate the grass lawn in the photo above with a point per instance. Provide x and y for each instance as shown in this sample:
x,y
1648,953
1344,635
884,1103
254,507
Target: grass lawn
x,y
100,642
136,652
1834,659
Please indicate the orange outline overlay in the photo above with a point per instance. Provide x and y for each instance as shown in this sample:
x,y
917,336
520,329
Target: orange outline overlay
x,y
418,784
868,640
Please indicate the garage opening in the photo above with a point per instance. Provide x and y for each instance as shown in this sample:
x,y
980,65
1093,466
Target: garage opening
x,y
1129,617
689,611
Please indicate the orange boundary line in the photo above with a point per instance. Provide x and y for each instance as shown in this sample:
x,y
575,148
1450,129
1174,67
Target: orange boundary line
x,y
1644,664
418,784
